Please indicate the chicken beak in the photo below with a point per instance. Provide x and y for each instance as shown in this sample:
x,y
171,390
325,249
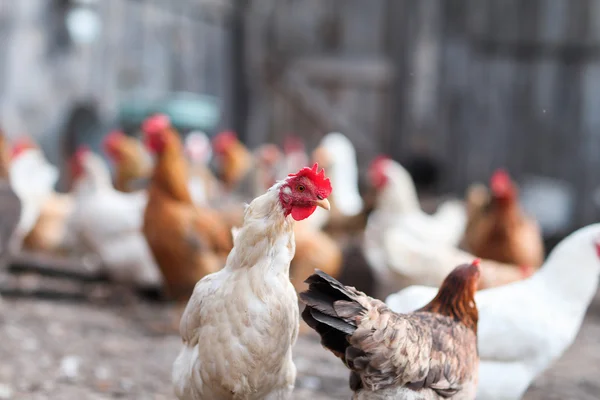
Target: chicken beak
x,y
324,203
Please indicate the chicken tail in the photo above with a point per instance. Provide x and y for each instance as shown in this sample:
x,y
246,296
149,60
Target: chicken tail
x,y
331,309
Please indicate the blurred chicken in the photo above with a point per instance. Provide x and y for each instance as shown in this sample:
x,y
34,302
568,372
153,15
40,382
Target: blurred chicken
x,y
526,326
132,161
240,324
33,179
398,206
204,187
499,230
315,249
109,222
187,241
10,204
245,174
408,260
348,212
50,233
427,354
398,228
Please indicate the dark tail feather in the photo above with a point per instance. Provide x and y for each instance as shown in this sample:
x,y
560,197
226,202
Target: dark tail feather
x,y
329,308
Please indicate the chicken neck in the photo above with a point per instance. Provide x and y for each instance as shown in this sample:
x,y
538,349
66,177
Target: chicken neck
x,y
266,232
171,172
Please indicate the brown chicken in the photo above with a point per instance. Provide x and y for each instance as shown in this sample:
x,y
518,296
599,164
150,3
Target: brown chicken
x,y
128,155
500,230
235,162
427,354
314,249
187,241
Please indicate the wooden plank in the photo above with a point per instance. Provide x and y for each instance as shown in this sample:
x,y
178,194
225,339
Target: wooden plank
x,y
296,90
352,71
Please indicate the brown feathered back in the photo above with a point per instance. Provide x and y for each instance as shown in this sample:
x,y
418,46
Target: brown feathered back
x,y
188,242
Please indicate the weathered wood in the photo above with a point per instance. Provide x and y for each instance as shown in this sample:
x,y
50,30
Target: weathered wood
x,y
348,71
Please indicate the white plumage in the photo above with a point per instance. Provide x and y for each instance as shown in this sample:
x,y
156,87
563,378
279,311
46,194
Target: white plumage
x,y
525,326
32,178
110,223
240,324
401,240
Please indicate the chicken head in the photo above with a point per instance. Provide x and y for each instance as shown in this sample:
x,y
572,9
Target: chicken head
x,y
303,191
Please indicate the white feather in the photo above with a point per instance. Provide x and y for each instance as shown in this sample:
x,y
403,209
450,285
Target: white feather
x,y
525,326
343,173
32,178
110,222
241,322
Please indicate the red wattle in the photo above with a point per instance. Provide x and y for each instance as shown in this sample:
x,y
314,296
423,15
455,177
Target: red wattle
x,y
300,213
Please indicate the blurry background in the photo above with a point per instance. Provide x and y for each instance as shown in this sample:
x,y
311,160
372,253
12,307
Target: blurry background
x,y
471,84
452,89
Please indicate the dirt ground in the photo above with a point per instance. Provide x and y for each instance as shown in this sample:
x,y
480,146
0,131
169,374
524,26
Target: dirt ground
x,y
77,350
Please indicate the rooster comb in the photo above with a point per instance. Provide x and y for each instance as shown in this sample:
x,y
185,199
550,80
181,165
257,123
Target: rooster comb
x,y
500,177
476,262
293,143
316,176
377,161
223,140
21,144
156,123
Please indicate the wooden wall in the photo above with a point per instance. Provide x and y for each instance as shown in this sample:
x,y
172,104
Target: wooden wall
x,y
479,84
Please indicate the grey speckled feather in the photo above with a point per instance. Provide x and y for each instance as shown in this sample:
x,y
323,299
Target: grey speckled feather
x,y
422,355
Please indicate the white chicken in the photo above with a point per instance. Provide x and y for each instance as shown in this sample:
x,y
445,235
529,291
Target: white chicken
x,y
398,231
525,326
336,153
199,152
110,223
32,178
241,322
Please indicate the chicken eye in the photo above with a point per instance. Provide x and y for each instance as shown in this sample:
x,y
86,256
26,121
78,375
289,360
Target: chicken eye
x,y
301,188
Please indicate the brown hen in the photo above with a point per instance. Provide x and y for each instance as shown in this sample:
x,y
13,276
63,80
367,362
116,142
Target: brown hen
x,y
187,241
428,354
499,230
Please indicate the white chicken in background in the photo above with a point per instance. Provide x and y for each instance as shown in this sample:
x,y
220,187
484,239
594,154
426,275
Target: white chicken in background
x,y
32,178
336,153
241,322
110,223
199,153
525,326
399,233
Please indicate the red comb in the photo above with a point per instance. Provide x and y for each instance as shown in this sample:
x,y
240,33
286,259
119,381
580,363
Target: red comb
x,y
293,143
82,150
223,140
318,178
597,244
500,181
156,123
526,270
20,145
376,171
112,138
476,262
